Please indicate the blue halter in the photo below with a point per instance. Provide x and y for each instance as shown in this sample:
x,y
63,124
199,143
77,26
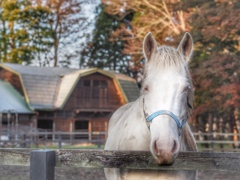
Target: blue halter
x,y
165,112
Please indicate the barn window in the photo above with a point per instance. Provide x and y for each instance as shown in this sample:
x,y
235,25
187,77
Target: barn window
x,y
99,83
45,124
60,114
5,118
86,83
81,125
23,117
69,113
50,114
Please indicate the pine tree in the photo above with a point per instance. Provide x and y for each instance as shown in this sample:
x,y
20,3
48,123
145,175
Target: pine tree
x,y
104,50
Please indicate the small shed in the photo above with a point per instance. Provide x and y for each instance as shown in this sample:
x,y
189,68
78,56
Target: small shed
x,y
70,100
14,110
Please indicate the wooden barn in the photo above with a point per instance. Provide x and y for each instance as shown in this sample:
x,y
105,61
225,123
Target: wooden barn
x,y
64,99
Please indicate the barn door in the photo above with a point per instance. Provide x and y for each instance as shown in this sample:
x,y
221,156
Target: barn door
x,y
100,93
93,93
81,126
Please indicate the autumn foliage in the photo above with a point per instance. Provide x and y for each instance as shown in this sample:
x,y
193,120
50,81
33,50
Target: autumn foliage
x,y
215,27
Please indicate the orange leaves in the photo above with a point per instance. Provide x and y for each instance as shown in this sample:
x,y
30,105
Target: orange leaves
x,y
158,17
217,83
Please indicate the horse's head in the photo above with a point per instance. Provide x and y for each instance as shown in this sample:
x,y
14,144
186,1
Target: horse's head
x,y
167,95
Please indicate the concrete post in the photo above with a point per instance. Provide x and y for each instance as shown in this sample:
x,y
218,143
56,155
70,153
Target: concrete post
x,y
42,164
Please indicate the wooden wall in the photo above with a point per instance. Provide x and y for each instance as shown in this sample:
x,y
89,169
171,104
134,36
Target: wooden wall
x,y
88,94
12,78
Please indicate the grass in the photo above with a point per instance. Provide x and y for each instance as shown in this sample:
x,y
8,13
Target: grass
x,y
217,148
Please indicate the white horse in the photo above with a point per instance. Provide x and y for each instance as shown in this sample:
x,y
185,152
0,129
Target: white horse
x,y
156,121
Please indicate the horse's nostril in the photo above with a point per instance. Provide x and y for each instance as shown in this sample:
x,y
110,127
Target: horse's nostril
x,y
174,148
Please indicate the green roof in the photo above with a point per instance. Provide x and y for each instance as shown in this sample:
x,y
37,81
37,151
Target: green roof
x,y
11,100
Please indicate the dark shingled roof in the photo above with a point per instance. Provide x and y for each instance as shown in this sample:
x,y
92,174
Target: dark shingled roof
x,y
131,89
40,83
49,88
39,71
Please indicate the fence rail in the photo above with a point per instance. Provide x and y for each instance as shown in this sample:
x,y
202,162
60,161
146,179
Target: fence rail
x,y
208,141
45,138
213,142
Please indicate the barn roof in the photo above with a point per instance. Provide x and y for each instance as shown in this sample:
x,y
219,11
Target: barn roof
x,y
11,100
49,88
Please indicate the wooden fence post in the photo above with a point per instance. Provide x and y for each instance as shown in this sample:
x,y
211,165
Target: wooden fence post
x,y
24,137
99,140
46,138
42,164
59,140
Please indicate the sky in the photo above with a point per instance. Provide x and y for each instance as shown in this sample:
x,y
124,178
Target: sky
x,y
88,11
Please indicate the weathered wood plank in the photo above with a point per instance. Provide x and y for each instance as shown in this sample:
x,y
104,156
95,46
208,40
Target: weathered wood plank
x,y
128,159
139,159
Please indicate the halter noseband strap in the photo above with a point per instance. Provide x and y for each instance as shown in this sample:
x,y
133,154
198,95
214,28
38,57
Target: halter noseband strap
x,y
165,112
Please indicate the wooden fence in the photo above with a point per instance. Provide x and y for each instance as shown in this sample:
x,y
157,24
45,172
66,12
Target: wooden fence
x,y
43,162
207,141
223,142
46,138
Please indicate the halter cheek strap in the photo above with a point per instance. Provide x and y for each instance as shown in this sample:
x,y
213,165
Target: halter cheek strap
x,y
169,113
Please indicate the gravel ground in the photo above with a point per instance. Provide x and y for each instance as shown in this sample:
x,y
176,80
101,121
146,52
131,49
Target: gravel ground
x,y
22,173
14,172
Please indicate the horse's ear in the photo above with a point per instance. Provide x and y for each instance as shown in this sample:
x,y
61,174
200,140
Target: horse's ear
x,y
186,46
149,46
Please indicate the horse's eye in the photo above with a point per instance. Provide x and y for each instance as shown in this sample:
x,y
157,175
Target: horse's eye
x,y
187,88
146,89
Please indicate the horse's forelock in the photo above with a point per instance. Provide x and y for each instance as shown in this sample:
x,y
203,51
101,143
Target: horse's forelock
x,y
165,57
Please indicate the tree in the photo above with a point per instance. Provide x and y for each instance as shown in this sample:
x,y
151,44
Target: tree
x,y
3,40
104,50
66,21
41,30
158,17
216,28
24,33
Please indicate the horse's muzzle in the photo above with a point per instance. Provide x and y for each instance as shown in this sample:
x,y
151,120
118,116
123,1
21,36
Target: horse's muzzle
x,y
165,155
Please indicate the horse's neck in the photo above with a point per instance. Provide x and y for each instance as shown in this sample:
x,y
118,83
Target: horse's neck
x,y
188,142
